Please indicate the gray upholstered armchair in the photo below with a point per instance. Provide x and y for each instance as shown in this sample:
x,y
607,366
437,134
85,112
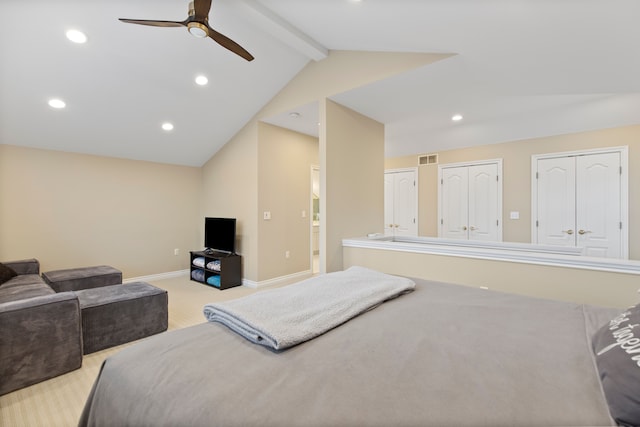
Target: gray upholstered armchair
x,y
40,330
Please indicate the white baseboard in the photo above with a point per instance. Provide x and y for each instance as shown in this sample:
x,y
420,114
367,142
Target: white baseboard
x,y
152,277
290,278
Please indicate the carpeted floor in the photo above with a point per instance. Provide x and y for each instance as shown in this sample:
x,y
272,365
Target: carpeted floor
x,y
59,401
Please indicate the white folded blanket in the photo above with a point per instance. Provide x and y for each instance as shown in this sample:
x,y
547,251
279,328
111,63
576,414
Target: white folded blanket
x,y
283,317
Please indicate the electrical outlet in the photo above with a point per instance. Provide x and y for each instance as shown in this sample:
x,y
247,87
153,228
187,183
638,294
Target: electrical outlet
x,y
304,214
287,254
176,251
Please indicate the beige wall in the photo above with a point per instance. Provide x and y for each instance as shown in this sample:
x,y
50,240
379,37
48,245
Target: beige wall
x,y
284,189
339,72
516,157
351,179
342,71
559,283
229,189
71,210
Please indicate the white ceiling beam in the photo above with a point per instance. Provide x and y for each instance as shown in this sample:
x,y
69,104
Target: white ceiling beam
x,y
283,30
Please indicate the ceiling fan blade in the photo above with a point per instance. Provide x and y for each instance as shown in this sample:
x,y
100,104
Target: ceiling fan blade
x,y
153,23
227,43
201,10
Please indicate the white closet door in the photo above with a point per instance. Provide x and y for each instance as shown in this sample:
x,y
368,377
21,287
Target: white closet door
x,y
400,203
483,202
556,201
455,203
598,212
579,203
388,204
405,204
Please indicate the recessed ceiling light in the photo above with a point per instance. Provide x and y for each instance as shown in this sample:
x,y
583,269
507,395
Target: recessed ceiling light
x,y
57,103
167,126
76,36
456,117
202,80
294,115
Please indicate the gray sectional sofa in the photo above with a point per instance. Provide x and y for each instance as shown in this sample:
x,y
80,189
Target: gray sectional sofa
x,y
40,330
47,323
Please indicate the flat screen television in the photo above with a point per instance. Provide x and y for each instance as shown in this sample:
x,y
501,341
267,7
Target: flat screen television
x,y
220,234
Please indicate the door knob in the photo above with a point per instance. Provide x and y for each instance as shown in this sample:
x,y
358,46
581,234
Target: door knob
x,y
464,228
583,231
569,232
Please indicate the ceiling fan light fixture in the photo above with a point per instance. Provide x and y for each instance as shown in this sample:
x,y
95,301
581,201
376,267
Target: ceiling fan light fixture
x,y
197,29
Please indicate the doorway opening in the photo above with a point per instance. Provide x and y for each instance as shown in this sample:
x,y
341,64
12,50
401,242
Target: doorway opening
x,y
315,219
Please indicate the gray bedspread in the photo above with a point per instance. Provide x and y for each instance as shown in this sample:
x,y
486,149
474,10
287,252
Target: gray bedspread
x,y
443,355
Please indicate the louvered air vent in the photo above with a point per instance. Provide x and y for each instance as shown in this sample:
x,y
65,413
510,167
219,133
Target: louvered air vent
x,y
428,159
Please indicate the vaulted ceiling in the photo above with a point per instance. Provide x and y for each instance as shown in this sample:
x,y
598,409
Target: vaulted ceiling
x,y
519,69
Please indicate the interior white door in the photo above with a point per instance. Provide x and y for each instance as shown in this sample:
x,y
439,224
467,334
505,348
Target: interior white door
x,y
579,203
401,208
470,202
483,202
388,204
556,201
454,203
598,213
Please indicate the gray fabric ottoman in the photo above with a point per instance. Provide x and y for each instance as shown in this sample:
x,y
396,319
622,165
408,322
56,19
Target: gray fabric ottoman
x,y
75,279
114,315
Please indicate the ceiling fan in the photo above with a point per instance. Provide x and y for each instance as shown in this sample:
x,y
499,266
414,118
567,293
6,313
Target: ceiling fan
x,y
198,25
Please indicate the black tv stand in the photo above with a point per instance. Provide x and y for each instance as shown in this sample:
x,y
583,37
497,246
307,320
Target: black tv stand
x,y
219,254
226,274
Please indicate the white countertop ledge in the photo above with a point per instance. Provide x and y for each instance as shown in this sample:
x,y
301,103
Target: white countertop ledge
x,y
498,251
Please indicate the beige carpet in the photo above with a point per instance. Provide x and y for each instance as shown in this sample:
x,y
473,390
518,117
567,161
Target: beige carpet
x,y
59,401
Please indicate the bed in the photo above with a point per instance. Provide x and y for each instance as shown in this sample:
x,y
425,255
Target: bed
x,y
441,355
